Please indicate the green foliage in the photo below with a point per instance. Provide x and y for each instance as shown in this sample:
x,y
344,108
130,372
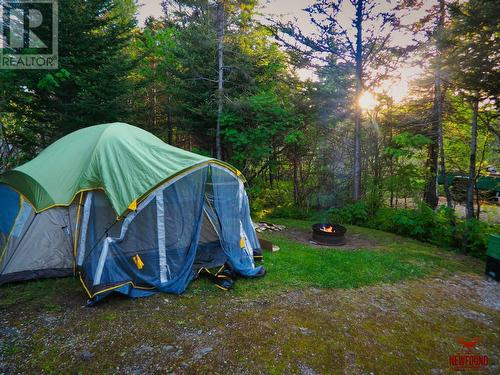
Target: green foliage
x,y
250,127
290,212
406,144
354,213
265,196
404,154
264,200
37,106
473,33
276,202
51,81
199,151
440,227
421,223
472,235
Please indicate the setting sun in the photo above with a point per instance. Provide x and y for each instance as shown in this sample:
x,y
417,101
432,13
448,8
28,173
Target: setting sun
x,y
367,101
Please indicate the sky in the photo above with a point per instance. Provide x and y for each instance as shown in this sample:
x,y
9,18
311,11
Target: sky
x,y
289,8
397,87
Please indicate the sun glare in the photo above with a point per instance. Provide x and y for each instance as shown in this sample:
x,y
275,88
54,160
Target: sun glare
x,y
367,101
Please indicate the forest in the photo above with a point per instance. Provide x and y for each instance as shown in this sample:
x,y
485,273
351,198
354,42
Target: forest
x,y
224,79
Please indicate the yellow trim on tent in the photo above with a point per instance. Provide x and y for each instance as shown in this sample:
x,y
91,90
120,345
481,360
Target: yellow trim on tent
x,y
112,288
4,250
220,270
75,235
184,172
141,198
71,201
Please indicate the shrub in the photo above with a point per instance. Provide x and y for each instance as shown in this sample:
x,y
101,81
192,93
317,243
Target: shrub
x,y
440,227
472,237
422,223
355,213
442,231
276,202
281,194
290,212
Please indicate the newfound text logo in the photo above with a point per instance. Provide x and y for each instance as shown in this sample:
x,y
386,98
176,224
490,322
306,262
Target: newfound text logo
x,y
29,34
468,358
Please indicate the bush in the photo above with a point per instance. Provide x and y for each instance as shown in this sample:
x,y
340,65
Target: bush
x,y
355,213
290,212
472,237
440,227
276,202
280,194
421,223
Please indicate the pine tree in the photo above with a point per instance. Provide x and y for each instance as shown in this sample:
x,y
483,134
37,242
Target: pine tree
x,y
88,86
473,65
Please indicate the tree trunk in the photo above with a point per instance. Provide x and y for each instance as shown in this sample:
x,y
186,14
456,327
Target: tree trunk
x,y
478,174
377,168
220,90
357,109
478,201
436,148
430,193
439,119
295,180
472,162
391,168
438,105
271,175
169,122
446,184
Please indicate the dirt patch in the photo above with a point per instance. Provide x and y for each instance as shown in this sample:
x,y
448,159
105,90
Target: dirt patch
x,y
354,241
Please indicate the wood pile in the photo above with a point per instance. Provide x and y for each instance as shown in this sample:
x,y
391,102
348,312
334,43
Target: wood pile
x,y
262,227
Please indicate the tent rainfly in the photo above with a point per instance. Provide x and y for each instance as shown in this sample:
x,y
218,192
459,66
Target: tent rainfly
x,y
125,212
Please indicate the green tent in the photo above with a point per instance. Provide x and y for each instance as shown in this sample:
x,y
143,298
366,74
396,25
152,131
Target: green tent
x,y
491,183
126,213
123,160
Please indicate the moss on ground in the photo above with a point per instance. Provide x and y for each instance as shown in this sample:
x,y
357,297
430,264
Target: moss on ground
x,y
397,308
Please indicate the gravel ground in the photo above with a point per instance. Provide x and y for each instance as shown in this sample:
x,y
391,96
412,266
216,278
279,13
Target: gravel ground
x,y
406,328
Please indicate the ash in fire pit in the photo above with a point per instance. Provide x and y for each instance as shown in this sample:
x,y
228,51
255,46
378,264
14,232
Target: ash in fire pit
x,y
328,234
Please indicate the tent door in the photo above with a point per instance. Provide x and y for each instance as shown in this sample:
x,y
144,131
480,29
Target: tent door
x,y
209,252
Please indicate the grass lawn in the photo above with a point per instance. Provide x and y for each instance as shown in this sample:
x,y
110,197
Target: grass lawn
x,y
396,307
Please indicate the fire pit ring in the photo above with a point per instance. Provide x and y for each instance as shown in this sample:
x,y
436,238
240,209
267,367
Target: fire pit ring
x,y
328,234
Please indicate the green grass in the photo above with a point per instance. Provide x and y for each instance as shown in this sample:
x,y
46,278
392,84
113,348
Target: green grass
x,y
295,266
44,294
298,266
